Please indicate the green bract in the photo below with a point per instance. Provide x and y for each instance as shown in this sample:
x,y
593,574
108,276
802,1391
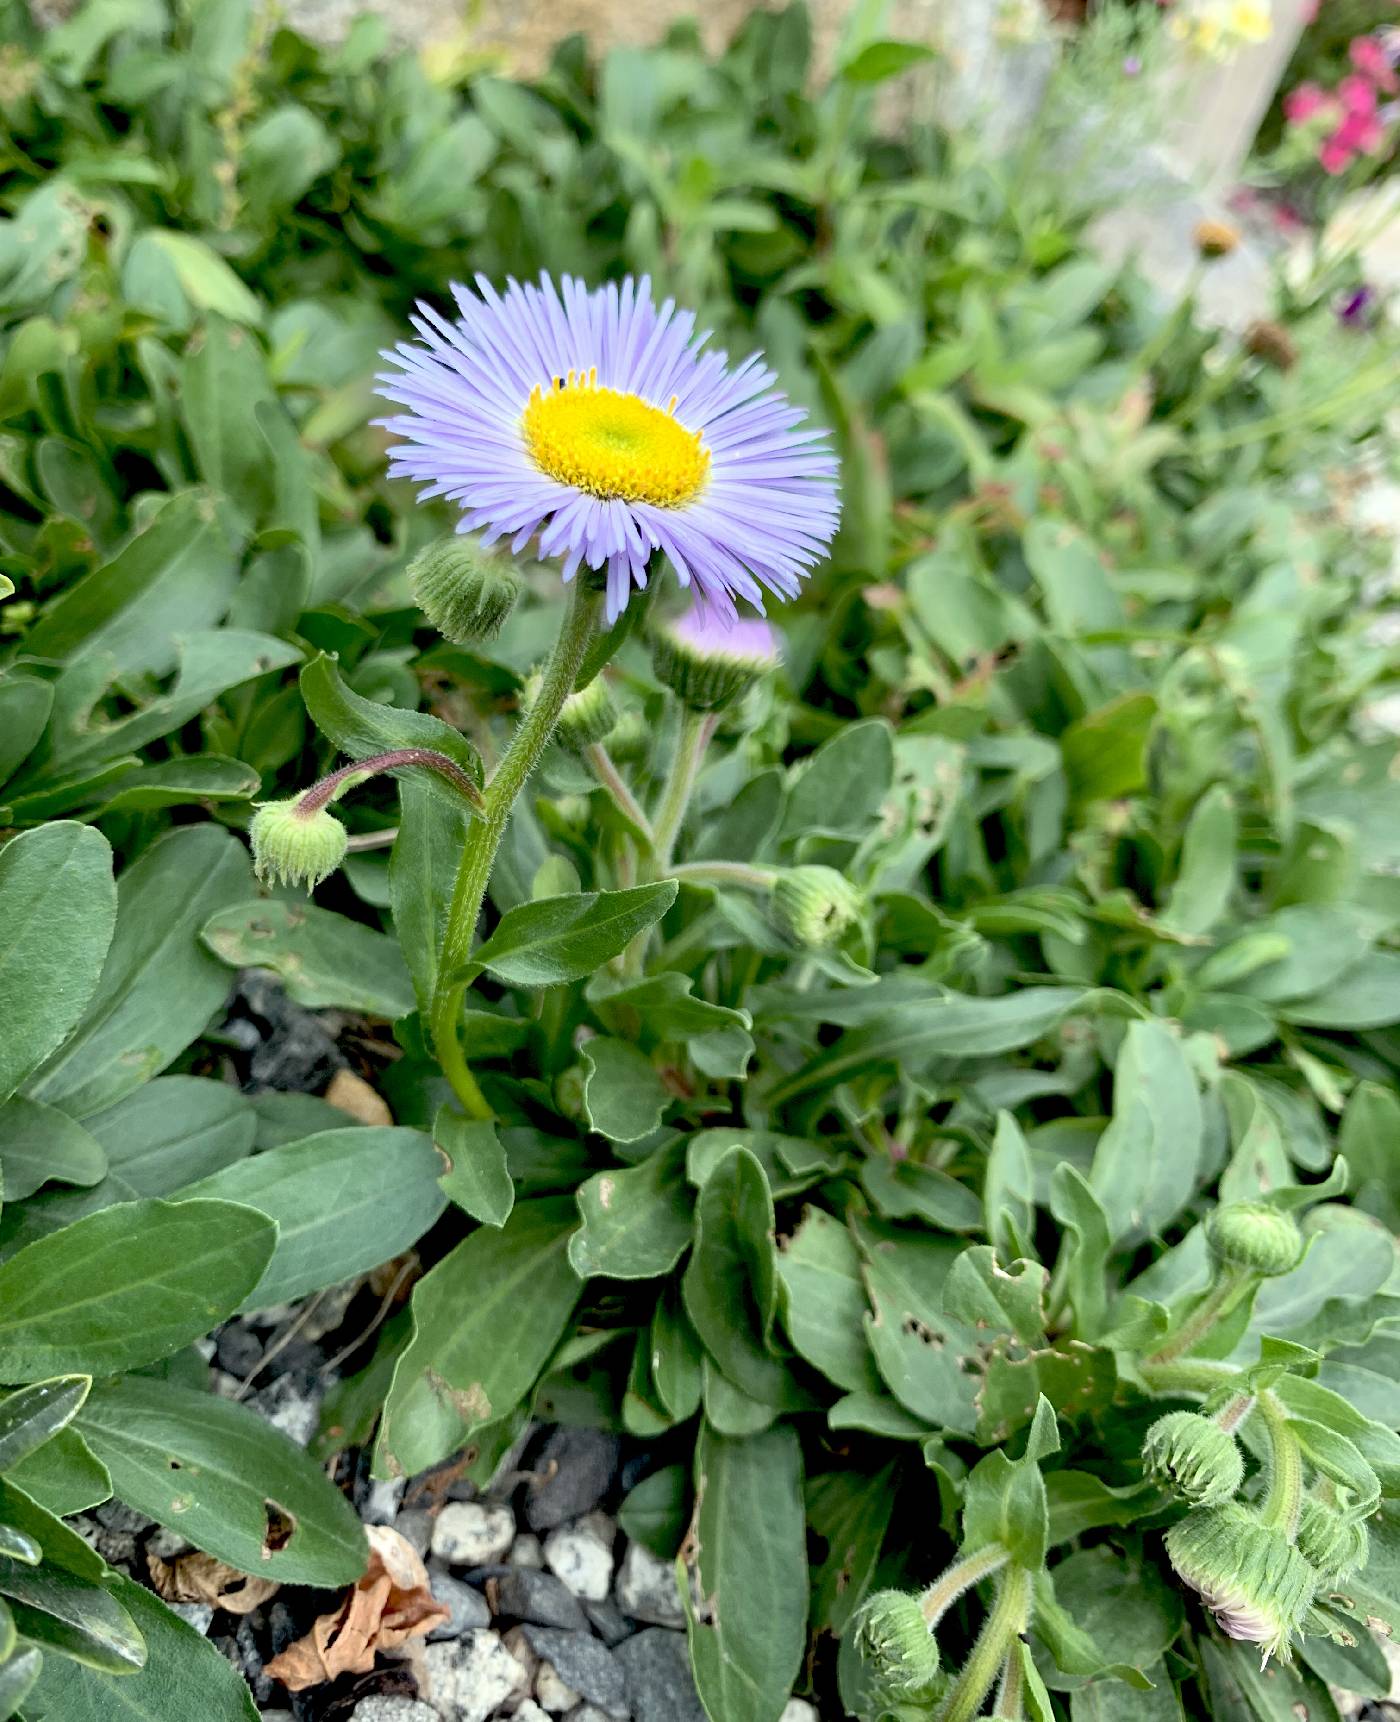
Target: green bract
x,y
911,1103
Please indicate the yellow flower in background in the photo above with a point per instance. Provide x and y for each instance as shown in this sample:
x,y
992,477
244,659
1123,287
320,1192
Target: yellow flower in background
x,y
1218,29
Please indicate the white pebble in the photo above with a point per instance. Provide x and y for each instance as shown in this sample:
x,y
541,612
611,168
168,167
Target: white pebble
x,y
529,1711
553,1693
647,1590
468,1534
581,1560
469,1677
798,1710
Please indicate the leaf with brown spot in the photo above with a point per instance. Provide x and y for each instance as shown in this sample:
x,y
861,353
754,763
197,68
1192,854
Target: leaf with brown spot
x,y
390,1604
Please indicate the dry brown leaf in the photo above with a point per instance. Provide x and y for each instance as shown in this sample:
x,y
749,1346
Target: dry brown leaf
x,y
352,1094
200,1578
390,1604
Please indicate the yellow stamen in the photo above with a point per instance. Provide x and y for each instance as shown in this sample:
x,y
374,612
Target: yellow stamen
x,y
613,444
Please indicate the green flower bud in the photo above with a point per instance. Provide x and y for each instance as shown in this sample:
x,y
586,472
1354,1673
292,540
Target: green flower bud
x,y
293,847
815,905
587,717
706,662
465,592
897,1646
1255,1237
1256,1583
1336,1545
1194,1458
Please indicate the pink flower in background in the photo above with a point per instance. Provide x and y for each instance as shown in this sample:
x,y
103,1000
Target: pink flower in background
x,y
1305,103
1369,57
1357,94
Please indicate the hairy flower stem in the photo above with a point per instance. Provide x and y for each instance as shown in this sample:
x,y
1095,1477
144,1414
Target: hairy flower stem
x,y
1283,1498
1011,1691
603,767
696,730
742,873
327,789
484,839
959,1578
1229,1288
1003,1626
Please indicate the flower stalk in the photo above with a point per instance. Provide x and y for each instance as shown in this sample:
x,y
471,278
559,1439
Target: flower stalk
x,y
1003,1626
485,834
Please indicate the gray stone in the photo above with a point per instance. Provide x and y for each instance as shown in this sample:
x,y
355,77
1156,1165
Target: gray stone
x,y
380,1709
647,1590
468,1606
470,1534
415,1526
582,1559
199,1615
609,1622
660,1686
554,1694
537,1597
526,1551
166,1545
573,1472
471,1676
288,1406
238,1349
583,1663
117,1516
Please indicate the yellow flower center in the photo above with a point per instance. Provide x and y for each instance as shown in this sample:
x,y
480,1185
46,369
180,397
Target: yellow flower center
x,y
613,444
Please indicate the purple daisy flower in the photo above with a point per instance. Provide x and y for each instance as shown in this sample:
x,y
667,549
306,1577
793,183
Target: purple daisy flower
x,y
596,420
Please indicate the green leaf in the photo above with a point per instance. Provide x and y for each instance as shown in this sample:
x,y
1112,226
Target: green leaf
x,y
1004,1500
904,1189
159,987
64,1476
126,1286
880,60
361,727
730,1285
486,1321
1105,752
656,1511
422,872
637,1221
25,704
1125,1615
1148,1161
206,280
156,1141
60,908
662,1007
677,1356
1205,878
17,1677
1085,1248
61,1545
749,1549
344,1201
918,1350
555,939
851,1513
324,959
1008,1191
35,1414
478,1179
1367,996
950,1027
824,1303
40,1143
623,1096
172,579
791,1163
842,786
225,1478
184,1676
75,1616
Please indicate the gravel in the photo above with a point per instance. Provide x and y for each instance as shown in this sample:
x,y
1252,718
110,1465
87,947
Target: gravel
x,y
589,1667
468,1606
660,1686
573,1471
470,1676
470,1534
646,1588
580,1557
537,1597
